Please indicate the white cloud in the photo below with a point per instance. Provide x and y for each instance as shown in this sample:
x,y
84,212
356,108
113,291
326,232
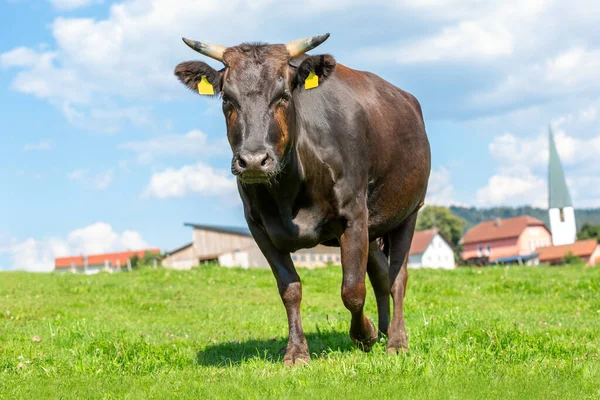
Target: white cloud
x,y
465,41
191,179
77,174
42,145
512,151
103,180
130,54
193,143
39,254
23,57
522,163
467,31
440,190
73,4
571,71
589,114
100,181
513,190
108,120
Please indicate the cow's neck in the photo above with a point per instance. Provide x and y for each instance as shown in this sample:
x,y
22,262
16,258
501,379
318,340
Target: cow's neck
x,y
288,184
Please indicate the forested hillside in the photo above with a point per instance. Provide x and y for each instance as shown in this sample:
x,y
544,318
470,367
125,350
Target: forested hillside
x,y
476,215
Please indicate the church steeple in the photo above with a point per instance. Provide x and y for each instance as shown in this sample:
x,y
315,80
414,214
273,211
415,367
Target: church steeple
x,y
562,214
558,193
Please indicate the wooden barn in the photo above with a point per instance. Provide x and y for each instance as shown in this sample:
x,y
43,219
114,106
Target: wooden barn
x,y
235,247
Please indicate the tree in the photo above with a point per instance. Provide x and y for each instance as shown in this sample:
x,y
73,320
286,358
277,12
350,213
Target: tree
x,y
589,231
149,258
440,217
135,261
571,259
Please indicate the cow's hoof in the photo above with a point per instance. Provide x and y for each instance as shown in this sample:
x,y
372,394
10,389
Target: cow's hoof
x,y
397,350
397,346
296,355
397,342
365,341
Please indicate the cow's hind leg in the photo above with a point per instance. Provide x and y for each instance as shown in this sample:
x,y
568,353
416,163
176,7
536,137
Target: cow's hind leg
x,y
377,268
400,240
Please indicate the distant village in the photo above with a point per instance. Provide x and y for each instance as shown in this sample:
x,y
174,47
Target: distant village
x,y
522,240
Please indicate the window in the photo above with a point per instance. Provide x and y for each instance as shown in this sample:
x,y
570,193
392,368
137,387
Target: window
x,y
562,215
294,258
302,258
479,251
489,249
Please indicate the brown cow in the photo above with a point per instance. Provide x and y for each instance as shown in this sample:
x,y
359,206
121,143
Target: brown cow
x,y
340,159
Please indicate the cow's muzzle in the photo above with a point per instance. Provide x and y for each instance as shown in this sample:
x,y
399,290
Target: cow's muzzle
x,y
255,166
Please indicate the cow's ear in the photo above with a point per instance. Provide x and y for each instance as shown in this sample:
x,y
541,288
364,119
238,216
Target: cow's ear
x,y
322,66
191,74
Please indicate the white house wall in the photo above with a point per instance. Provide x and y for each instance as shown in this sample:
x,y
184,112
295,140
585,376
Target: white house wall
x,y
438,255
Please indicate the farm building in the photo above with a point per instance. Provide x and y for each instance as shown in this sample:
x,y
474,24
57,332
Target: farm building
x,y
511,240
587,250
430,249
235,247
92,264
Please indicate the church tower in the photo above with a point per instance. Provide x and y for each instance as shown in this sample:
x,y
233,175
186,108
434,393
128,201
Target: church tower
x,y
562,214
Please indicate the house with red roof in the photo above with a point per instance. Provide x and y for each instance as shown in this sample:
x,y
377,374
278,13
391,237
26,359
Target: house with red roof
x,y
587,250
510,240
430,249
92,264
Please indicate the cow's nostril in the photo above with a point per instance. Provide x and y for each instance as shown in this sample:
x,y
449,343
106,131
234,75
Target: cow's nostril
x,y
264,160
242,163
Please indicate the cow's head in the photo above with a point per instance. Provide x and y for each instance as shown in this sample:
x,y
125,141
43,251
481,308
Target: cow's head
x,y
257,88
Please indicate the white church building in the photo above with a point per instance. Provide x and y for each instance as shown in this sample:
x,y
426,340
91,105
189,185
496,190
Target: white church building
x,y
562,214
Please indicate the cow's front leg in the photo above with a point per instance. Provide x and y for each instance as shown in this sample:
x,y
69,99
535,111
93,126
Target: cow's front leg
x,y
290,290
354,243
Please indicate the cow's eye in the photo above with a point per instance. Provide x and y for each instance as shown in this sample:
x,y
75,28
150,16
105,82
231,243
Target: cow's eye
x,y
285,97
226,100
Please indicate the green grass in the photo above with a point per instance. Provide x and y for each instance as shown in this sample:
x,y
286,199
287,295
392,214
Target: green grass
x,y
494,333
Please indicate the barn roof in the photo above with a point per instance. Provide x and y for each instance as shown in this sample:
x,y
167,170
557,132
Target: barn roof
x,y
99,259
500,229
422,239
582,248
233,230
185,246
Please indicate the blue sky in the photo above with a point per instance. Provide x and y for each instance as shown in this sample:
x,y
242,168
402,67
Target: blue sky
x,y
103,149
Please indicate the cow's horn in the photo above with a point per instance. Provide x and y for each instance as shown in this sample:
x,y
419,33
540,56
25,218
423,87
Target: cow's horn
x,y
301,46
211,50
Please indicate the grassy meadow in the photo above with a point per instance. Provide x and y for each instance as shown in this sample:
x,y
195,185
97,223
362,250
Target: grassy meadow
x,y
493,333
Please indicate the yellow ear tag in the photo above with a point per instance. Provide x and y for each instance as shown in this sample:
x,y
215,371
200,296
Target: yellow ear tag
x,y
204,86
312,81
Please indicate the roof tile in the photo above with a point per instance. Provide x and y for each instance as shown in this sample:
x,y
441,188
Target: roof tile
x,y
582,248
500,229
